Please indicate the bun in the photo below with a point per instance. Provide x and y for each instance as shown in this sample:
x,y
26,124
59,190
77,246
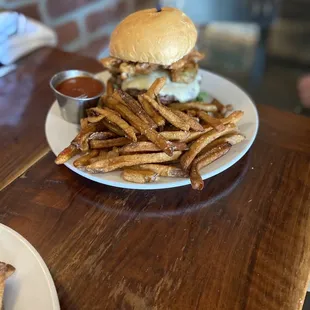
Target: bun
x,y
155,37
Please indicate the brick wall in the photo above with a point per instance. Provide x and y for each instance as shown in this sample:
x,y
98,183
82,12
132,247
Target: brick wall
x,y
81,25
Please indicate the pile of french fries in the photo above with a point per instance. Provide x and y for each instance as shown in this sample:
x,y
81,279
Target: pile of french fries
x,y
149,140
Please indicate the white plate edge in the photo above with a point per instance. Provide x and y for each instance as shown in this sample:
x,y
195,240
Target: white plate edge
x,y
37,256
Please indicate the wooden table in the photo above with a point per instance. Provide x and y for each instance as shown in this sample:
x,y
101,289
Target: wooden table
x,y
241,243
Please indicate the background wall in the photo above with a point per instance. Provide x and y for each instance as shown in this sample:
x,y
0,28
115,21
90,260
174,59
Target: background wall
x,y
81,25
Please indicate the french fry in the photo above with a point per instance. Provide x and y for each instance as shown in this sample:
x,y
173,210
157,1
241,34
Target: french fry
x,y
205,160
112,164
201,143
110,88
193,106
114,128
105,155
136,108
229,107
158,119
139,176
232,118
66,154
165,170
189,120
85,159
191,112
146,146
175,135
6,270
220,107
103,144
83,145
195,135
218,115
117,120
144,129
156,87
213,122
139,147
83,123
232,139
95,119
102,135
167,113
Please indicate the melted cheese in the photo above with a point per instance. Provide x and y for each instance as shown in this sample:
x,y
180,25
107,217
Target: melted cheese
x,y
183,92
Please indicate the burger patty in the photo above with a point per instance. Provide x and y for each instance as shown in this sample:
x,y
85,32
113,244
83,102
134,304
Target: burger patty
x,y
166,99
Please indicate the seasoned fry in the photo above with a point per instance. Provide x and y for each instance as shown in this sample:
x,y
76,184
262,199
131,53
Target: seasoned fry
x,y
105,155
114,118
175,135
110,88
139,147
201,143
229,107
83,144
191,112
189,120
66,154
208,107
167,113
95,119
112,127
158,119
103,144
85,159
83,123
156,87
218,115
165,170
102,135
232,139
232,118
220,107
145,146
6,270
111,164
139,176
136,108
213,122
205,160
144,129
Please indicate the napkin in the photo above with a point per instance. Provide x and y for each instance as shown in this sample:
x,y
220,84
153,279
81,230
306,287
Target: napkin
x,y
20,35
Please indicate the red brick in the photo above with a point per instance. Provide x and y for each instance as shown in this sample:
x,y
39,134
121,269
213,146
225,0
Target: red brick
x,y
107,15
95,47
67,32
30,10
56,8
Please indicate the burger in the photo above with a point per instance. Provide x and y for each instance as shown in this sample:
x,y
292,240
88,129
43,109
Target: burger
x,y
153,43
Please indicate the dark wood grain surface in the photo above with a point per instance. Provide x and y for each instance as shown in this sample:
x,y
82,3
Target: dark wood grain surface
x,y
25,98
241,243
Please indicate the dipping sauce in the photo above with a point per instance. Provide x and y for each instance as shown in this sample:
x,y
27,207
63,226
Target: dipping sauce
x,y
80,86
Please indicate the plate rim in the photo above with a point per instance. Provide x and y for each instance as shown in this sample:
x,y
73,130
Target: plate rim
x,y
179,183
42,264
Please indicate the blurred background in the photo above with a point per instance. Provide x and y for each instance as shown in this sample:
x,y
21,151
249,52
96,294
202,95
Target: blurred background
x,y
264,45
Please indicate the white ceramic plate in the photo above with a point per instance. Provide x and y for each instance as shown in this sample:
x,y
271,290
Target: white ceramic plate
x,y
59,133
31,287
